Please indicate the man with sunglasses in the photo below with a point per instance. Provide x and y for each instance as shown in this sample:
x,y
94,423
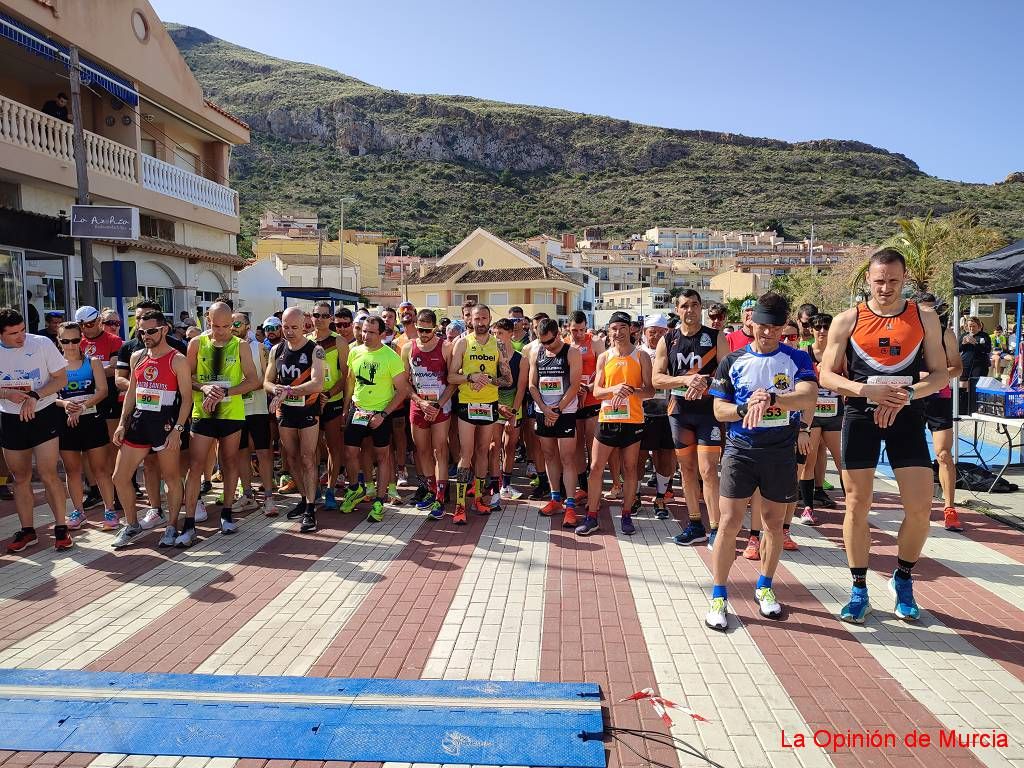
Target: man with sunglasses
x,y
158,402
716,316
343,325
100,344
333,398
272,331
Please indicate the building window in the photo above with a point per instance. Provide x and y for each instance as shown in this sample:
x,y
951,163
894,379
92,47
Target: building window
x,y
208,297
162,296
54,296
496,298
432,300
151,226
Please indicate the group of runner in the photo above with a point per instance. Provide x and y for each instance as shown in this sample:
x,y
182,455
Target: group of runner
x,y
745,417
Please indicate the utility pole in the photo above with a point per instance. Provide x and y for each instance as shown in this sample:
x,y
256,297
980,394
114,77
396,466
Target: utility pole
x,y
319,257
810,252
88,293
401,272
341,246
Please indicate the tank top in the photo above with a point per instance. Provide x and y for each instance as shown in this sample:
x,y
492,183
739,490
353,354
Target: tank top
x,y
829,403
688,355
332,367
294,368
553,377
885,350
220,366
657,405
480,358
429,372
81,385
156,387
255,402
507,395
589,367
619,369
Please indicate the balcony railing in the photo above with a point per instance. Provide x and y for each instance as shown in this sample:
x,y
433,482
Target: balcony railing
x,y
175,182
33,130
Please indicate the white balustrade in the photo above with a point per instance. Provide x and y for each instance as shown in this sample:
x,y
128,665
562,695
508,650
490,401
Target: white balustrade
x,y
173,181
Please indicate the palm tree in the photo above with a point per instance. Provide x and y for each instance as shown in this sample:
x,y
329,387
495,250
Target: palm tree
x,y
919,241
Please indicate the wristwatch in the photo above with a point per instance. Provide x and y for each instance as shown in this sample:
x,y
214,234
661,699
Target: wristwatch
x,y
741,410
910,393
33,394
179,427
771,396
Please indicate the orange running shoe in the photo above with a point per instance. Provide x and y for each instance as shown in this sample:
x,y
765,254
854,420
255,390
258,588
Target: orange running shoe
x,y
952,520
551,508
753,550
787,542
580,498
459,518
569,520
481,507
669,495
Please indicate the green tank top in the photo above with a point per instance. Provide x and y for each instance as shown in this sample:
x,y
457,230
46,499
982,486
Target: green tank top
x,y
332,369
227,374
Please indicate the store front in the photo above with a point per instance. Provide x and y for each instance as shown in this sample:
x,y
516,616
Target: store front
x,y
35,264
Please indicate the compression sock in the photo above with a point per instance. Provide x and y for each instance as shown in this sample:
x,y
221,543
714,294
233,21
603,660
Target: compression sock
x,y
719,591
903,569
764,581
506,479
807,492
440,491
860,577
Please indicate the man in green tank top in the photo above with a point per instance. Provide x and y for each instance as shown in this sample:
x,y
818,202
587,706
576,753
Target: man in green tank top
x,y
222,371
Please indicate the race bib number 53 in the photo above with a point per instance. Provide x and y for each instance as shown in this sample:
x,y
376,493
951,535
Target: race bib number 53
x,y
774,416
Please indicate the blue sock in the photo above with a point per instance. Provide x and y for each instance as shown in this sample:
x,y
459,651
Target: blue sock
x,y
718,591
556,496
570,503
764,581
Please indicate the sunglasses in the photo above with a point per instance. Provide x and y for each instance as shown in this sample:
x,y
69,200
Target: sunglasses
x,y
90,324
71,341
237,324
424,330
715,317
549,342
322,315
788,337
343,324
150,331
112,322
822,327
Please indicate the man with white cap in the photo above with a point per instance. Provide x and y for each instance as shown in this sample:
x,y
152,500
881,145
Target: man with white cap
x,y
272,332
657,437
100,344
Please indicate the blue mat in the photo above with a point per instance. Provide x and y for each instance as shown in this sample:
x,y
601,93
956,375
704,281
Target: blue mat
x,y
301,718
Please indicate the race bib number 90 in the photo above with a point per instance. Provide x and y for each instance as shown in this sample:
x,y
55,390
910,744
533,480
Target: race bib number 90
x,y
147,399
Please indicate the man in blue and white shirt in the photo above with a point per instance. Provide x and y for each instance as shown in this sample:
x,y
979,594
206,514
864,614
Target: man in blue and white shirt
x,y
759,392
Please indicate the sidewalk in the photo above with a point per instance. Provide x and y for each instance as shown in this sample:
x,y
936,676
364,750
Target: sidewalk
x,y
514,596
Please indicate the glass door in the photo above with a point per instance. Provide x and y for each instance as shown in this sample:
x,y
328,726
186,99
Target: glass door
x,y
12,281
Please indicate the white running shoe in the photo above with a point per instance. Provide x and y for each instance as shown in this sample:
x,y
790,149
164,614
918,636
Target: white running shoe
x,y
717,618
269,508
244,503
227,527
510,494
767,604
186,538
170,534
152,518
201,515
125,536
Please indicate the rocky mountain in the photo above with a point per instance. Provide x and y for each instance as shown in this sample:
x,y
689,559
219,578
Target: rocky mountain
x,y
431,167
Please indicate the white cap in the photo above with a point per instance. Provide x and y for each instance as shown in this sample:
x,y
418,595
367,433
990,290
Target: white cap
x,y
86,314
656,321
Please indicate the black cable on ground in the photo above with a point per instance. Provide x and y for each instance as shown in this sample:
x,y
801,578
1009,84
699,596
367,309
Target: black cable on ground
x,y
664,739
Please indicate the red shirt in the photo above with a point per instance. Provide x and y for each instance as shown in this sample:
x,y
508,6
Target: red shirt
x,y
104,347
738,339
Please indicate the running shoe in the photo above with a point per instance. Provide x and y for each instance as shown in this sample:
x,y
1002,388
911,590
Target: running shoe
x,y
711,538
822,499
151,518
186,538
244,503
855,611
75,519
495,502
426,502
569,519
952,520
436,510
92,499
588,526
580,498
787,542
635,508
297,511
717,617
508,493
421,498
228,527
21,540
542,491
126,535
6,494
170,534
201,514
807,517
551,508
826,485
308,522
376,513
767,605
627,525
614,493
481,507
661,508
459,518
62,541
352,497
903,591
753,550
205,487
330,500
269,508
693,533
402,477
287,484
111,522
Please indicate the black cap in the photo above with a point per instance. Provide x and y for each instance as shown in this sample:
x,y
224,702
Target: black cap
x,y
620,317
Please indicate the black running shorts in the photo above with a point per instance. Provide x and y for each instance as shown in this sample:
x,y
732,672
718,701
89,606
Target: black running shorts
x,y
90,432
700,426
938,413
776,479
357,430
217,428
564,426
619,435
18,435
256,433
905,442
657,434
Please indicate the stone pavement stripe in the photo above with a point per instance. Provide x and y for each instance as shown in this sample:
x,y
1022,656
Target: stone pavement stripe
x,y
43,518
44,563
998,536
81,636
592,633
930,660
708,672
834,680
396,625
493,629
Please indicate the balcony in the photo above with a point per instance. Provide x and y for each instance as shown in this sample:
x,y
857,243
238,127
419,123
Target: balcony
x,y
39,133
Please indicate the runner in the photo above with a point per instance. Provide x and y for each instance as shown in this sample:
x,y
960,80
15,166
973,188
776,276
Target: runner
x,y
623,381
759,392
805,331
686,362
256,432
83,433
400,425
521,329
221,370
295,379
407,317
390,331
343,325
555,376
100,344
657,440
32,372
333,398
716,317
426,361
510,411
538,478
377,383
743,335
478,369
874,359
159,400
589,347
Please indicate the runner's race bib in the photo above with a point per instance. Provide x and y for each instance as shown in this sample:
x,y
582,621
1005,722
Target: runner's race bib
x,y
148,399
361,418
294,400
896,381
480,411
22,385
774,416
610,412
87,410
826,407
550,387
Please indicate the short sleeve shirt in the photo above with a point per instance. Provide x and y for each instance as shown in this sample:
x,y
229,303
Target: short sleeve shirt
x,y
29,368
103,348
374,374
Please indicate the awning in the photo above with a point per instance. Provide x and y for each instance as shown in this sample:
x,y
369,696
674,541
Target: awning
x,y
91,72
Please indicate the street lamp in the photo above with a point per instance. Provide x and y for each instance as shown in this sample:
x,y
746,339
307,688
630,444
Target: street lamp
x,y
341,244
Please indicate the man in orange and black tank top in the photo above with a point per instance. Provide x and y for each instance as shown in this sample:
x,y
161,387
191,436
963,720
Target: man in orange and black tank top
x,y
875,355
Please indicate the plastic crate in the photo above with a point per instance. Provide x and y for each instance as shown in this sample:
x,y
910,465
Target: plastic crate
x,y
1007,403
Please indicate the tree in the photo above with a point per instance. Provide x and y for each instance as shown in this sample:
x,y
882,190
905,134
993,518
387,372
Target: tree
x,y
734,313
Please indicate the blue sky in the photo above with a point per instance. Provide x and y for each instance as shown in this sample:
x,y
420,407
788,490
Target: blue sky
x,y
937,81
